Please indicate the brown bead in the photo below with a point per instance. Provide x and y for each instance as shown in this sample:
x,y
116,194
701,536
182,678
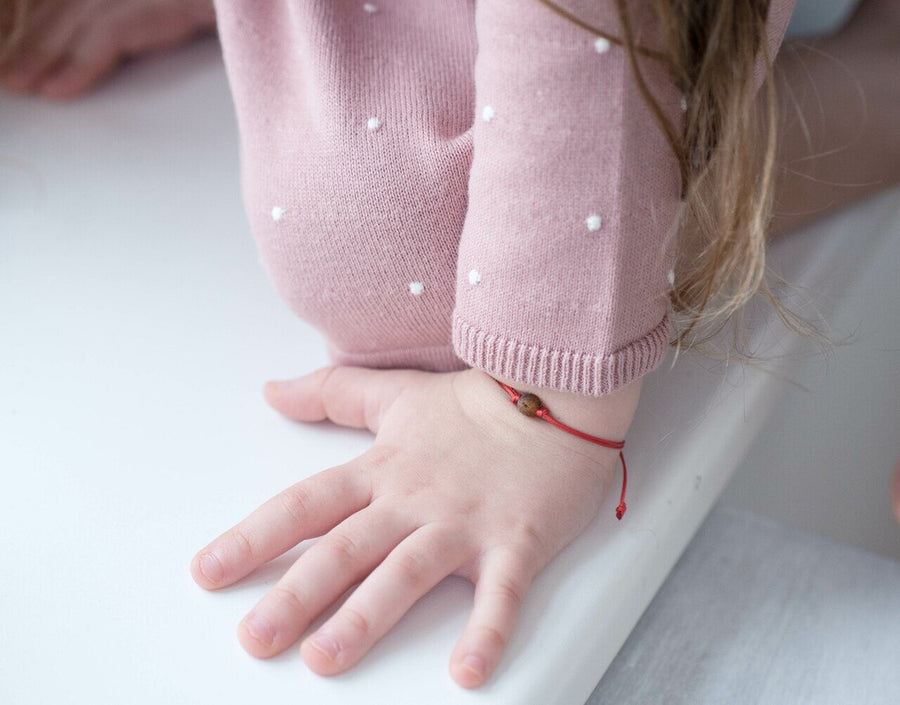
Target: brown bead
x,y
529,404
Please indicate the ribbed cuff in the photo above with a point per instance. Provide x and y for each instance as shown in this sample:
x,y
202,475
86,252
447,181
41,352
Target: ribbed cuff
x,y
563,370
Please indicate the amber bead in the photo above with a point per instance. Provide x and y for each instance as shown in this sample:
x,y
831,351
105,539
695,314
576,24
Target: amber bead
x,y
529,404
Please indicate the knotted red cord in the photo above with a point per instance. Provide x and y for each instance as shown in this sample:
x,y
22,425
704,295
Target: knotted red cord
x,y
544,413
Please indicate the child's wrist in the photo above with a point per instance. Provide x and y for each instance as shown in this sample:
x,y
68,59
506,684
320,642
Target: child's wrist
x,y
608,416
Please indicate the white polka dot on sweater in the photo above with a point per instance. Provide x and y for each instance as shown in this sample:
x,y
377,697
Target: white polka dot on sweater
x,y
474,277
593,222
277,213
601,45
370,8
487,114
671,277
683,104
373,123
416,288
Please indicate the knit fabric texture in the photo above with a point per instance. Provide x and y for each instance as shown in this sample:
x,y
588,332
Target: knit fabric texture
x,y
448,183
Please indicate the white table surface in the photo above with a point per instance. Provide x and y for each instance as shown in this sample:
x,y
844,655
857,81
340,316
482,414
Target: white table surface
x,y
136,329
759,613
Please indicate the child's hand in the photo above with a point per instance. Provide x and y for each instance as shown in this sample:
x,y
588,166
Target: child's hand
x,y
66,47
457,482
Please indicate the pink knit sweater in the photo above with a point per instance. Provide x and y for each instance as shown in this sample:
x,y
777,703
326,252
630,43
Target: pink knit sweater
x,y
449,183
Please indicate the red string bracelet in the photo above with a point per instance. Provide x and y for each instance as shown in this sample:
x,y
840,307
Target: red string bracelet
x,y
531,405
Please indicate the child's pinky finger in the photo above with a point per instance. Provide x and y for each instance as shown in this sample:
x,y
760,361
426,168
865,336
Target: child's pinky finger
x,y
503,581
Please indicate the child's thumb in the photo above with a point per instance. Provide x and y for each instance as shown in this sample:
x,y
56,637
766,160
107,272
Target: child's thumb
x,y
348,396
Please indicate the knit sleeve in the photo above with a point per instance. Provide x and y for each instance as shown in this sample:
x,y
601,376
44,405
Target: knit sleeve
x,y
564,263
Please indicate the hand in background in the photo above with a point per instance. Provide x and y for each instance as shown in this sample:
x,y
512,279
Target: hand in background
x,y
457,482
63,48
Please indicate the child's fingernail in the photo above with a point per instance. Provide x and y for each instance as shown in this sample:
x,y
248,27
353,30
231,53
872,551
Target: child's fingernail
x,y
260,629
326,644
475,663
211,568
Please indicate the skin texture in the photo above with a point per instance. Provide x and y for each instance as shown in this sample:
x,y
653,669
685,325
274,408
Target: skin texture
x,y
70,46
457,482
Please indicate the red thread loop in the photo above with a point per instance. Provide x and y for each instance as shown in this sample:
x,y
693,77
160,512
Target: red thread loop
x,y
620,510
544,413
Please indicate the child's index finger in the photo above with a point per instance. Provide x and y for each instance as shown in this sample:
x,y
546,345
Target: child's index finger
x,y
306,510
